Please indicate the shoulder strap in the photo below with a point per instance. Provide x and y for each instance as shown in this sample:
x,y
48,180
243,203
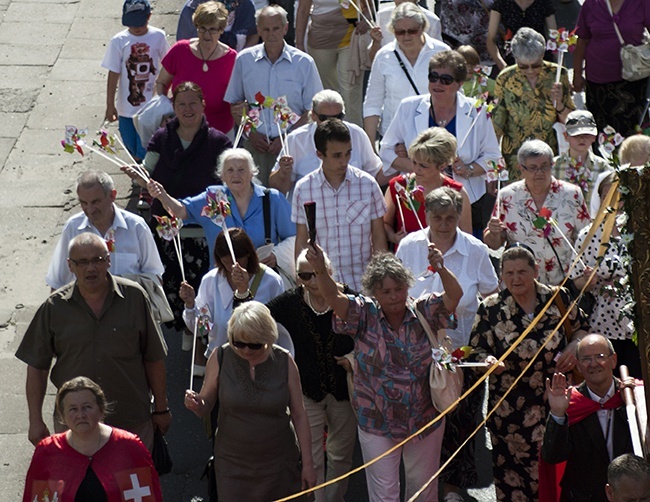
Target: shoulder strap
x,y
618,33
433,339
258,279
568,330
266,210
406,72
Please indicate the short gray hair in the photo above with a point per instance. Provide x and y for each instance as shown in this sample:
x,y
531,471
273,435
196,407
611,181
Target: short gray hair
x,y
627,465
528,45
385,265
302,258
328,96
252,322
86,239
534,148
239,154
443,198
270,11
91,179
408,10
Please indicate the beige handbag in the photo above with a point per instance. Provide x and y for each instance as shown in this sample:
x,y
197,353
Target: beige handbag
x,y
635,58
446,384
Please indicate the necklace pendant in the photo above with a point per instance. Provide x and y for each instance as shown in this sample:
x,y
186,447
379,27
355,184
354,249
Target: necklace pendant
x,y
205,67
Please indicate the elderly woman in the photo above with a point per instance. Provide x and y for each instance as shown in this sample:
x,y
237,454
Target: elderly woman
x,y
392,397
512,15
182,156
466,256
204,60
445,106
469,260
90,461
250,204
319,355
228,284
399,69
530,101
611,316
517,427
432,152
613,101
259,447
518,210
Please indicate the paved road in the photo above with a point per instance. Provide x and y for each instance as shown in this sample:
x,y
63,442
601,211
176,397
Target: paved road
x,y
50,76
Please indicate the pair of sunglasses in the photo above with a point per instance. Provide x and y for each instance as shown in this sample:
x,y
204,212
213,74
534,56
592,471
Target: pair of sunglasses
x,y
445,78
306,276
252,346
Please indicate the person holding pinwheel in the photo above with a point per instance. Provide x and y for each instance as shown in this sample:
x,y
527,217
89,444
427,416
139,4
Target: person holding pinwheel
x,y
544,213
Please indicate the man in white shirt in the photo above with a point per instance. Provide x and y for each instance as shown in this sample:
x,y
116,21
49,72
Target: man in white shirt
x,y
587,425
349,206
128,237
301,158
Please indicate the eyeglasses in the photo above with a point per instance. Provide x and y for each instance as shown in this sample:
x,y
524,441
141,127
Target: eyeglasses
x,y
597,358
306,276
84,263
211,31
583,121
541,169
445,78
410,31
323,117
252,346
535,66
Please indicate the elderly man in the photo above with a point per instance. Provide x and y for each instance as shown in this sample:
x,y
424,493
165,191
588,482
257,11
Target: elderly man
x,y
628,479
101,327
271,69
587,426
302,158
349,206
129,240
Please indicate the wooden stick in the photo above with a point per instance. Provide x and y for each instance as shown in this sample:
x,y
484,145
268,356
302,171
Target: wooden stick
x,y
228,241
630,408
558,73
196,328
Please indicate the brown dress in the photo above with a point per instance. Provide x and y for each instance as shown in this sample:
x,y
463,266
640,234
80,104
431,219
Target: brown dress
x,y
257,457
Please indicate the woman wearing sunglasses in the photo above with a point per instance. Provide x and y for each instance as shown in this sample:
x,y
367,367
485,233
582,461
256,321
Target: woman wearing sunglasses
x,y
307,316
530,102
445,106
399,69
229,284
261,451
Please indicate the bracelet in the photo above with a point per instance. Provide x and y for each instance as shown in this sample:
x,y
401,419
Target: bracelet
x,y
562,110
239,296
163,412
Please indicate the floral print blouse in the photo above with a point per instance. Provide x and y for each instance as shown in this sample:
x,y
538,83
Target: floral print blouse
x,y
392,397
516,208
524,112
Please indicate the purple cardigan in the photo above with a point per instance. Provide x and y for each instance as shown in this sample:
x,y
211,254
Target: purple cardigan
x,y
186,172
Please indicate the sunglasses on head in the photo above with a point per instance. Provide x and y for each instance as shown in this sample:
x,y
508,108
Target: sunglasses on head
x,y
252,346
445,78
410,31
323,117
306,276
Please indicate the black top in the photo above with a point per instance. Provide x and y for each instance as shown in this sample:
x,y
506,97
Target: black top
x,y
315,345
90,489
513,18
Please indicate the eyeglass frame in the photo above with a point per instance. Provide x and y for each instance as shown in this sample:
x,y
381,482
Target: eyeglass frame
x,y
97,260
322,117
310,275
410,31
536,170
535,66
252,346
434,77
212,30
597,358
